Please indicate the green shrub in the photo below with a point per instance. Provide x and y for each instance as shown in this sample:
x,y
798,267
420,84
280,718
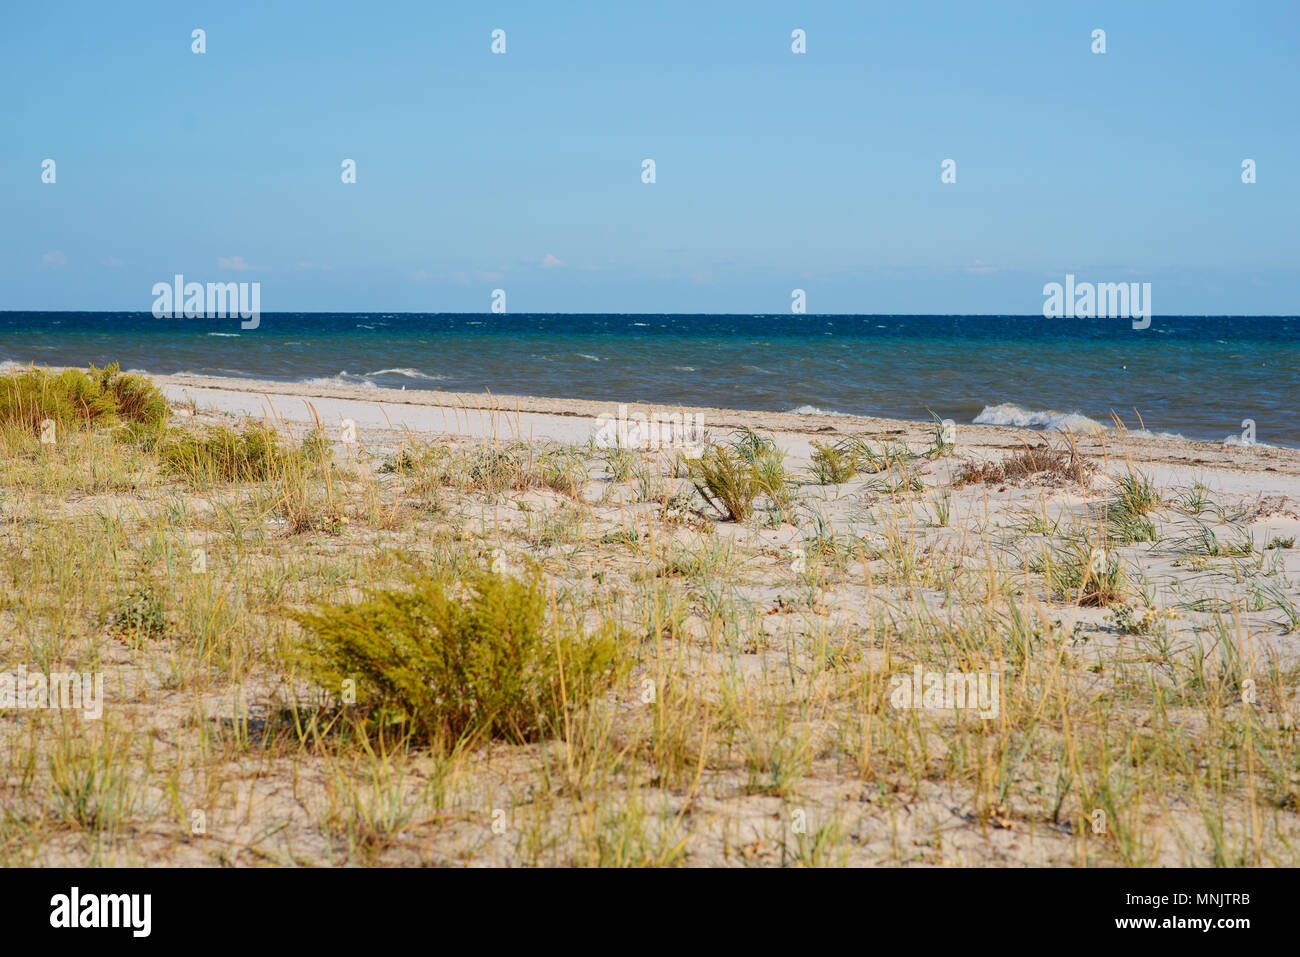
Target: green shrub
x,y
220,454
1127,528
432,462
504,467
139,616
449,662
316,448
72,397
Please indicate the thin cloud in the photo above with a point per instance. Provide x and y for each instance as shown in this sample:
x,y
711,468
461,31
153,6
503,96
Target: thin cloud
x,y
236,263
55,258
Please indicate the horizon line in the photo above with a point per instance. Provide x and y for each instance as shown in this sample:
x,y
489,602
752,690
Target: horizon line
x,y
752,315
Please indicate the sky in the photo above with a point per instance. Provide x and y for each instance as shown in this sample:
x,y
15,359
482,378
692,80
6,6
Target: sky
x,y
774,171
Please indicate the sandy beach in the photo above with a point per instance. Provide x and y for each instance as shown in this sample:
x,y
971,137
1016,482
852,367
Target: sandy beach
x,y
429,412
1122,611
391,413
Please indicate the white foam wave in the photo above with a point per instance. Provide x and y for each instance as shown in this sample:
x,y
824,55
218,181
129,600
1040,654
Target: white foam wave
x,y
1236,439
408,373
343,378
1008,413
815,410
366,378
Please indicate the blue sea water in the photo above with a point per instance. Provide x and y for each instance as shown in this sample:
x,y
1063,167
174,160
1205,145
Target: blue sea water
x,y
1196,376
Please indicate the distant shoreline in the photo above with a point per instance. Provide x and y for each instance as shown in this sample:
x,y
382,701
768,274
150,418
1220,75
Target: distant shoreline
x,y
574,421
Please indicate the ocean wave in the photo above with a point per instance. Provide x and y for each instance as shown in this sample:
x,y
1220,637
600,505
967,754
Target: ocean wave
x,y
1008,413
1236,439
225,335
586,356
684,369
409,373
343,378
366,379
814,410
1148,434
219,374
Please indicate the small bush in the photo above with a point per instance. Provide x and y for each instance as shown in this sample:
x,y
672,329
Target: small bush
x,y
139,616
72,397
429,461
501,468
1127,622
220,454
834,464
750,445
316,448
450,662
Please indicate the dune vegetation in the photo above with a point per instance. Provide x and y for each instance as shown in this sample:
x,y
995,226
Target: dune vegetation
x,y
417,649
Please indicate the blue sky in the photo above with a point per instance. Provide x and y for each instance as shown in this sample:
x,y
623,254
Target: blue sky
x,y
774,170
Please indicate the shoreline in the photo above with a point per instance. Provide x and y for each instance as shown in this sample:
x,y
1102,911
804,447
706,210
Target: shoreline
x,y
482,415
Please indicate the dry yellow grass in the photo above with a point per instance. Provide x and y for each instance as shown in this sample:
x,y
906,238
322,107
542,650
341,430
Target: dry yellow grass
x,y
758,724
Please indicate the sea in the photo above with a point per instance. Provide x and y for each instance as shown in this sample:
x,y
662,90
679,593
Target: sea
x,y
1225,379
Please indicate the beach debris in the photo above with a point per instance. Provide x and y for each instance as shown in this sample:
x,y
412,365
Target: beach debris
x,y
798,562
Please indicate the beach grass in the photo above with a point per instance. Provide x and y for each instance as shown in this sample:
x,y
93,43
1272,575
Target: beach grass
x,y
408,650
